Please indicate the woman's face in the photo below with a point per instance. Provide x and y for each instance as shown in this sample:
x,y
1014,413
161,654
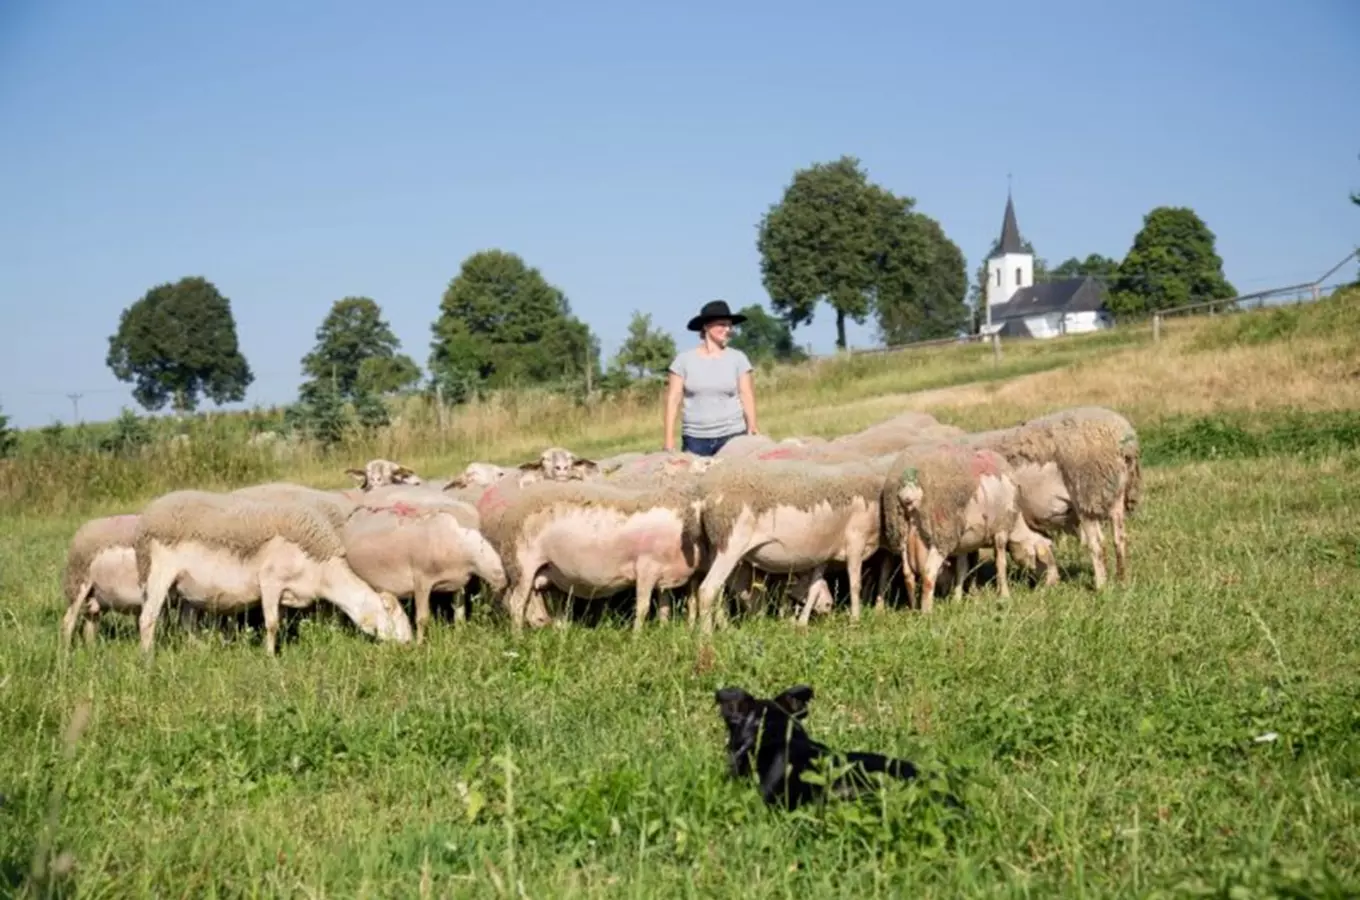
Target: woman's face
x,y
718,331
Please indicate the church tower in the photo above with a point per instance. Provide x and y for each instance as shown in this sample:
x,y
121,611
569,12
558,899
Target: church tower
x,y
1010,268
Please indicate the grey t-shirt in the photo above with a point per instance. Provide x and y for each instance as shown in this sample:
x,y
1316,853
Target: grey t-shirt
x,y
712,405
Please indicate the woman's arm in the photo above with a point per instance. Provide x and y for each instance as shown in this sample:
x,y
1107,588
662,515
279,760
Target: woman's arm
x,y
746,388
675,387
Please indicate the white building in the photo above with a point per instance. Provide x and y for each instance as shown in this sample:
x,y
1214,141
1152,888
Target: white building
x,y
1017,307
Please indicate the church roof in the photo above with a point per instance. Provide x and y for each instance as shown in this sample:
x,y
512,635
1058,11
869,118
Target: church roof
x,y
1081,294
1010,232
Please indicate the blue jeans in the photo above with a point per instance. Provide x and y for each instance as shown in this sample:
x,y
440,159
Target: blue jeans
x,y
700,446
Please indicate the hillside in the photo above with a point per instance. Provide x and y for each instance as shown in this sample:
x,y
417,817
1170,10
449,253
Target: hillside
x,y
1192,732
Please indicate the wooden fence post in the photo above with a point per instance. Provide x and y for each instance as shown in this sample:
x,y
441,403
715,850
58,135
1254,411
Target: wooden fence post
x,y
996,348
1156,327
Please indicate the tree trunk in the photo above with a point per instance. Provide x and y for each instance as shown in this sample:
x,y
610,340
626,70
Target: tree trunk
x,y
840,330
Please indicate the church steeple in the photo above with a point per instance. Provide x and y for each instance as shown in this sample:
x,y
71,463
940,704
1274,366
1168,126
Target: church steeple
x,y
1010,268
1010,232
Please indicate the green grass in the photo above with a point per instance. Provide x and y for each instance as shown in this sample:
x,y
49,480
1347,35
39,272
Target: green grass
x,y
1104,744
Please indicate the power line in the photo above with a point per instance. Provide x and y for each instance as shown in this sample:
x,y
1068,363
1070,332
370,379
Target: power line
x,y
75,404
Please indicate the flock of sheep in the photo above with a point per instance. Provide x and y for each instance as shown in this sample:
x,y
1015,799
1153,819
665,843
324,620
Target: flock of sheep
x,y
908,493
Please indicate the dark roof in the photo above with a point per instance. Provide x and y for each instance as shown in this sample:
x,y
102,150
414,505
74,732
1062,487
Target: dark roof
x,y
1010,232
1082,294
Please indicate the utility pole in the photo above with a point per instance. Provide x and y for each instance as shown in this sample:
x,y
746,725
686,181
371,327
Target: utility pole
x,y
75,405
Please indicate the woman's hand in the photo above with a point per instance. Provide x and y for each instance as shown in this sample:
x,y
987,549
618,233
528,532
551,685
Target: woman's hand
x,y
746,388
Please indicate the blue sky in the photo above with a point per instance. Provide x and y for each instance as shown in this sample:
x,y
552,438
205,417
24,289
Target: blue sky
x,y
298,152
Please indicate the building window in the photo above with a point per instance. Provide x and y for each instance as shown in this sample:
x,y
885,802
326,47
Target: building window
x,y
998,278
1019,277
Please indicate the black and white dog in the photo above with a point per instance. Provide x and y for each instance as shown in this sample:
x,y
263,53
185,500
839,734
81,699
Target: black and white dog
x,y
768,735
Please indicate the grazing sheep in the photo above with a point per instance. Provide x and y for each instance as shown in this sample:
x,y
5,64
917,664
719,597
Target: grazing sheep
x,y
557,464
381,472
744,445
336,506
650,467
478,474
227,552
412,551
593,539
1075,468
101,573
945,501
788,516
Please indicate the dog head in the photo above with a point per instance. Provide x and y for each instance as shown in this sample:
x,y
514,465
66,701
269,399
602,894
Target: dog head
x,y
754,724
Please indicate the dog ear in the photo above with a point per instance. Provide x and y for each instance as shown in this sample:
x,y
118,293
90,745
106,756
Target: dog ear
x,y
733,703
794,701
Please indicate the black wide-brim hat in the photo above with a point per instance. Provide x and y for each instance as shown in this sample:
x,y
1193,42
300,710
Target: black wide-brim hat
x,y
714,309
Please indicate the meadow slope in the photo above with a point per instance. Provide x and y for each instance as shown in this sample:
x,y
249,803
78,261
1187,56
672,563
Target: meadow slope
x,y
1196,732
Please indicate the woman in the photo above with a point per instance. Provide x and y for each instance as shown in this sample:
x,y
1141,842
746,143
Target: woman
x,y
714,381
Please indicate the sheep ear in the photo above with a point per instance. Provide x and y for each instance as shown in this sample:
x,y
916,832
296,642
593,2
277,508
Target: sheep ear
x,y
533,464
458,481
795,700
403,472
358,475
588,464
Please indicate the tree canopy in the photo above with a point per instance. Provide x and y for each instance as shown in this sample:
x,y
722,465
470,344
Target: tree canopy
x,y
1173,262
922,296
357,351
647,351
835,237
1099,267
764,338
502,323
179,342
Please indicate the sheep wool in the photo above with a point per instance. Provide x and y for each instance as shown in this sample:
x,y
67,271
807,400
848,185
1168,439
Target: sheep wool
x,y
765,484
89,540
949,476
334,506
241,525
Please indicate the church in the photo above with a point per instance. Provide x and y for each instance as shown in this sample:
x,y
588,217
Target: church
x,y
1017,307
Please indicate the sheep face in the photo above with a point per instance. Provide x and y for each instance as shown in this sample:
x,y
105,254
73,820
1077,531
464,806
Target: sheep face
x,y
382,472
560,464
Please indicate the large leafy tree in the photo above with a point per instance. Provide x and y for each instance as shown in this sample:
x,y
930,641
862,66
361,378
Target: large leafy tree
x,y
763,337
922,294
501,323
357,352
1099,267
178,343
824,241
647,351
1173,262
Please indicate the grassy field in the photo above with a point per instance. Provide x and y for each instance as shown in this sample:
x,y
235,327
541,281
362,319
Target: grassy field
x,y
1196,732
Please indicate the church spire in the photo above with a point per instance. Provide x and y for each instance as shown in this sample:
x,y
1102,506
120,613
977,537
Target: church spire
x,y
1010,232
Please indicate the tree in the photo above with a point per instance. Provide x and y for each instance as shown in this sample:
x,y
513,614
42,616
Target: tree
x,y
923,294
825,241
1102,268
764,338
1172,262
354,342
646,352
501,322
9,440
178,342
322,412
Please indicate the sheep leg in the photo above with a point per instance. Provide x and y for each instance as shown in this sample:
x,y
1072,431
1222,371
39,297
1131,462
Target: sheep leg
x,y
158,585
961,569
854,567
724,562
73,612
1121,542
516,601
930,570
422,598
90,628
271,599
814,579
1091,536
881,588
646,583
999,548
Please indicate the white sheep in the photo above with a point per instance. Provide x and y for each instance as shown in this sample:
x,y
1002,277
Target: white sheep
x,y
946,501
100,574
557,464
380,472
789,516
224,553
413,550
593,539
1076,469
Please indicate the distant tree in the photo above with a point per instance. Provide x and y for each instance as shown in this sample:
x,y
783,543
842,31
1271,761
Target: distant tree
x,y
127,435
1172,262
765,338
977,292
9,439
322,412
179,342
827,239
501,323
922,296
369,410
354,342
646,352
1102,268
